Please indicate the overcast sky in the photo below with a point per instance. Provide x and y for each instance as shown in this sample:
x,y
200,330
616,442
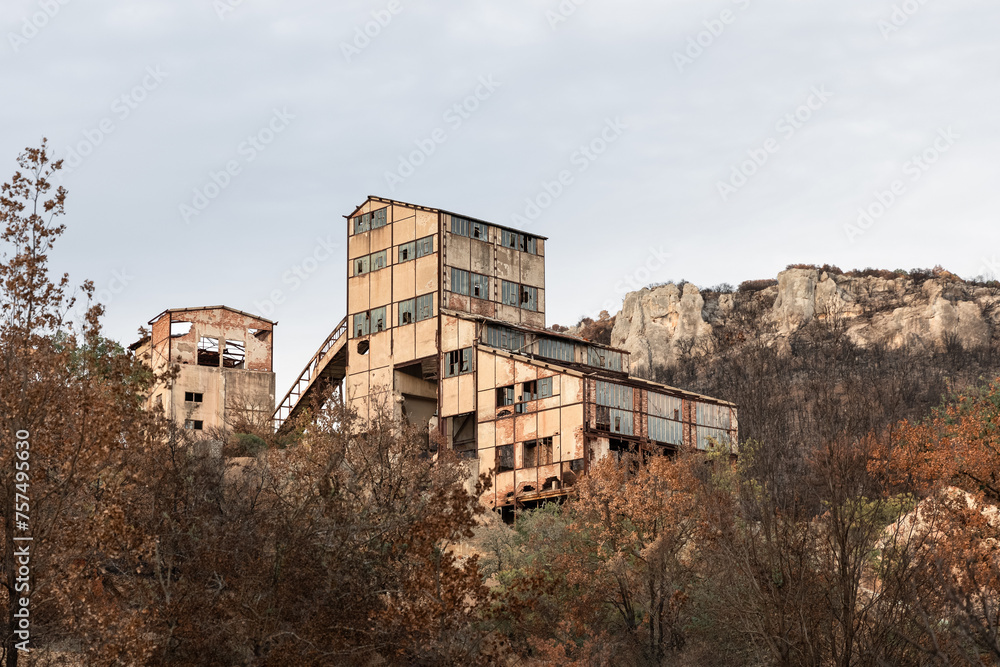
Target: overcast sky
x,y
215,146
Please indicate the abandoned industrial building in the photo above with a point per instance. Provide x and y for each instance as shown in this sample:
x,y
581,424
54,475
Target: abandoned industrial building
x,y
446,323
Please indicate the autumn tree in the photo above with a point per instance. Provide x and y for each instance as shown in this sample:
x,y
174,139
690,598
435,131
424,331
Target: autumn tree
x,y
68,407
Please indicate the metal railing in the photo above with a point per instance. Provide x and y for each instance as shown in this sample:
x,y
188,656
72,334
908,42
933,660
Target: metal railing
x,y
312,371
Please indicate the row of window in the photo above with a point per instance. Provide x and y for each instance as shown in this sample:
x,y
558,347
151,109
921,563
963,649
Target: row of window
x,y
410,311
368,221
470,284
614,413
379,260
416,310
481,230
504,338
552,348
534,453
522,242
369,322
520,296
470,228
530,391
602,358
415,249
369,263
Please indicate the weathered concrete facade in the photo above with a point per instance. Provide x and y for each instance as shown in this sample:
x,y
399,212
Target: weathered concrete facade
x,y
225,361
446,326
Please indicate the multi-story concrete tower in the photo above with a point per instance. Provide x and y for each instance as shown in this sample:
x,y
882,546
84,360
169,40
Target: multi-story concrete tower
x,y
224,356
446,326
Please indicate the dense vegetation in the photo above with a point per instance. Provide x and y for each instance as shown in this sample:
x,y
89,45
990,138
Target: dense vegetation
x,y
857,527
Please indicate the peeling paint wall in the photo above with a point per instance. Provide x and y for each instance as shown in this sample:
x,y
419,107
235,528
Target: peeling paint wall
x,y
558,417
486,256
238,367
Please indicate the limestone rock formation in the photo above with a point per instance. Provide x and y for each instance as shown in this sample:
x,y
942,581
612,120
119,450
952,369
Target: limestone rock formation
x,y
937,310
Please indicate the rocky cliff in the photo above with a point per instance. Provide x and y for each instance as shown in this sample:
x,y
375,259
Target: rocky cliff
x,y
932,310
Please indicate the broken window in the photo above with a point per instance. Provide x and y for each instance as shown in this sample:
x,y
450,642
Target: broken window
x,y
459,281
259,334
425,307
459,226
192,397
362,265
193,424
529,297
208,351
362,223
363,347
527,243
378,319
178,329
379,218
480,230
536,453
508,239
425,246
615,403
510,293
505,396
602,418
545,388
505,458
458,362
362,325
480,286
407,251
234,354
378,260
530,391
462,429
407,309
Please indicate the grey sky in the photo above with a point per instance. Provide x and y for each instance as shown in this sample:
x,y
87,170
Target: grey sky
x,y
200,78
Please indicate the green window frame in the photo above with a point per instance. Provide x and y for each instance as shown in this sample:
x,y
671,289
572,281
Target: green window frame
x,y
459,281
425,307
407,312
480,286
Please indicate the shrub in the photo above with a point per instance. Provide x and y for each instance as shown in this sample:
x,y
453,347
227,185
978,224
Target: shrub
x,y
757,285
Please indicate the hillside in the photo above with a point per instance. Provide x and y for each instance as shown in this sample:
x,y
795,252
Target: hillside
x,y
815,352
934,311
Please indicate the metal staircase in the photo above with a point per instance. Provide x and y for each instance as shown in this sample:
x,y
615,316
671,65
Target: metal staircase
x,y
327,367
